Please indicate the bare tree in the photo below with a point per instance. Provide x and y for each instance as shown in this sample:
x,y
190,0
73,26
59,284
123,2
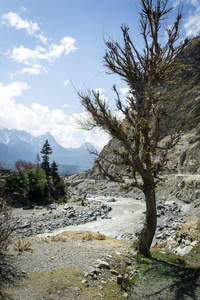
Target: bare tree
x,y
141,151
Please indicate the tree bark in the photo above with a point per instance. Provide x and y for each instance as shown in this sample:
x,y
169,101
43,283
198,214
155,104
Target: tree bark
x,y
145,238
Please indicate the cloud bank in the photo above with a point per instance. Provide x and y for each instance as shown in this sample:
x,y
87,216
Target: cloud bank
x,y
39,119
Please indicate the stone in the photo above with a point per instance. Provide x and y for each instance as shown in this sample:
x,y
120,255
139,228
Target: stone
x,y
125,295
128,262
111,200
183,251
103,265
187,242
185,208
85,282
90,213
194,243
91,270
114,272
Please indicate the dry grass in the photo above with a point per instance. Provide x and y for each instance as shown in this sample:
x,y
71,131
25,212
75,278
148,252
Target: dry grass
x,y
22,246
46,239
90,236
54,238
100,236
58,238
192,228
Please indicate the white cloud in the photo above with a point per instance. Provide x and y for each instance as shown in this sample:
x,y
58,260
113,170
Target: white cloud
x,y
97,137
8,92
124,91
192,23
66,82
38,119
29,57
66,46
191,16
34,70
101,95
66,106
33,57
14,20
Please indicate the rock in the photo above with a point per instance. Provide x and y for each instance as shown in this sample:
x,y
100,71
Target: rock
x,y
185,208
85,282
160,227
183,251
187,242
90,213
114,272
103,265
125,295
111,200
92,271
128,262
71,215
194,243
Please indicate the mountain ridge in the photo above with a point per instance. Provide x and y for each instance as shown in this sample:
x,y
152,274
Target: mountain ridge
x,y
19,144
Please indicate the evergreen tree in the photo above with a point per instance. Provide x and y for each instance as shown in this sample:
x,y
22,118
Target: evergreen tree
x,y
54,172
38,185
46,151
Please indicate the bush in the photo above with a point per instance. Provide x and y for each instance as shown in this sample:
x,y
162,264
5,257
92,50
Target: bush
x,y
60,187
38,185
17,182
35,187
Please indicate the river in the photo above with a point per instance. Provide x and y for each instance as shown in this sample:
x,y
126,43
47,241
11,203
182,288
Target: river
x,y
124,217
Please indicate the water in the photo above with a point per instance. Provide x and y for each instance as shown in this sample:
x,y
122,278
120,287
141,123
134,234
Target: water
x,y
125,216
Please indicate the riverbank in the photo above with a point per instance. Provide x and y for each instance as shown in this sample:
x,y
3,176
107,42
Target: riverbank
x,y
49,218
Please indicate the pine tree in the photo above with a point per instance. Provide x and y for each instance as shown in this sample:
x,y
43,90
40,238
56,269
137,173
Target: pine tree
x,y
54,172
46,151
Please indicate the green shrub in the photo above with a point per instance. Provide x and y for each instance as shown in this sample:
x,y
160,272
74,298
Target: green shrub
x,y
60,187
38,185
35,186
17,182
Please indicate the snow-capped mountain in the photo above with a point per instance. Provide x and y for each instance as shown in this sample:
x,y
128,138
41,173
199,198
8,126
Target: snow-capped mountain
x,y
19,144
13,136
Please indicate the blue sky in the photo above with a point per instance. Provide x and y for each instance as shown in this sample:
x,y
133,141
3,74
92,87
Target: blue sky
x,y
51,48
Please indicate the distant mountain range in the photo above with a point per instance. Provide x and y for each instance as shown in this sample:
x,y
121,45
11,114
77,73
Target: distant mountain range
x,y
19,144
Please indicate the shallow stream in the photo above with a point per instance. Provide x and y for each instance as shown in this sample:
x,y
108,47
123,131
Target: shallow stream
x,y
124,217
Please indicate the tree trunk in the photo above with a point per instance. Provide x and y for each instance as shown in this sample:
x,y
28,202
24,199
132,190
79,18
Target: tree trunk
x,y
146,235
